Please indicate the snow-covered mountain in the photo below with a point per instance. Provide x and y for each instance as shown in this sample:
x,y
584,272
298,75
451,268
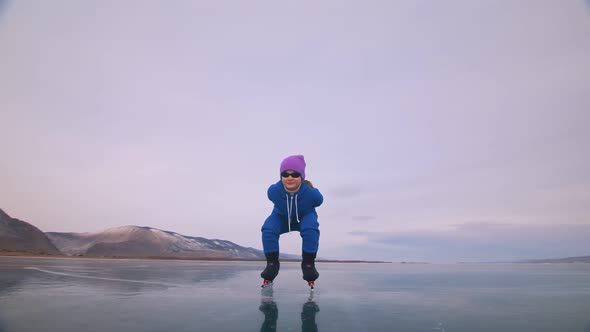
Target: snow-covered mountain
x,y
135,241
19,236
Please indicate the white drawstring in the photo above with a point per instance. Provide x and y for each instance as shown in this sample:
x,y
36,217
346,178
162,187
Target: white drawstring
x,y
289,211
296,209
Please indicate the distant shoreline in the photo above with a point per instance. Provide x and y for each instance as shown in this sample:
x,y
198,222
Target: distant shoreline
x,y
5,253
206,259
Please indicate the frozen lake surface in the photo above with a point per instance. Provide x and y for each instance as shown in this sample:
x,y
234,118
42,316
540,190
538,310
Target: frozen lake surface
x,y
43,294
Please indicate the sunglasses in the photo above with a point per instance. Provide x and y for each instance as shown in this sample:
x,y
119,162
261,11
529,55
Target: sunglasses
x,y
294,175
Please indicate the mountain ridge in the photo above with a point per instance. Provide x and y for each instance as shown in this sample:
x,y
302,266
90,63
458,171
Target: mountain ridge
x,y
20,236
574,259
143,241
130,241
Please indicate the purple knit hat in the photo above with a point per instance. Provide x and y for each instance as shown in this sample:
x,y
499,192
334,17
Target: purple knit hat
x,y
294,163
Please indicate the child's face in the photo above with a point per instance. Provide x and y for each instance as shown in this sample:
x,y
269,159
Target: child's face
x,y
291,180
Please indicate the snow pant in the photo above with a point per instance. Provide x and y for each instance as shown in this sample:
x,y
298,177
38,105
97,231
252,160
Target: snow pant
x,y
275,225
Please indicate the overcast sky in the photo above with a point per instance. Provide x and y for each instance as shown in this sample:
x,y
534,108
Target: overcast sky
x,y
437,131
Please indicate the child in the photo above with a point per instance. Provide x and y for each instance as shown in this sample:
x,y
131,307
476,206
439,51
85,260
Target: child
x,y
295,200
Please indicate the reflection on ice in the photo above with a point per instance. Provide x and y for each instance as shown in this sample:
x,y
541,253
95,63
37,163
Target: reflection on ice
x,y
271,312
439,328
73,295
308,312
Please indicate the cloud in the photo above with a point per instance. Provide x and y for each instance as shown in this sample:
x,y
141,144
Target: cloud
x,y
346,191
483,241
480,226
363,218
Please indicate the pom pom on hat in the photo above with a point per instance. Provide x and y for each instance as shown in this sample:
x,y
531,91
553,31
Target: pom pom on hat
x,y
294,163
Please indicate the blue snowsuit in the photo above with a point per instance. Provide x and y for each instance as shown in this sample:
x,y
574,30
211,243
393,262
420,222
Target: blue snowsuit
x,y
292,212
